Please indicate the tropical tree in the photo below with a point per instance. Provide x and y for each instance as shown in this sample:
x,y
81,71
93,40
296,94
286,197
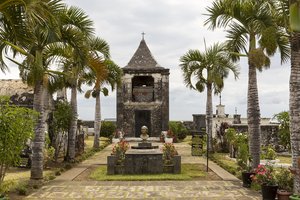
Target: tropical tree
x,y
73,55
102,72
208,70
12,27
284,129
252,32
294,8
41,22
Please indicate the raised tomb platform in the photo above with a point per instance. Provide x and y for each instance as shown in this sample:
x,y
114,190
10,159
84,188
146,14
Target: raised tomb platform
x,y
144,158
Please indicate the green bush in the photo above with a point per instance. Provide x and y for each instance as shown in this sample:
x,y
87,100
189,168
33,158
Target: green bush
x,y
178,129
268,153
16,127
285,179
22,190
107,129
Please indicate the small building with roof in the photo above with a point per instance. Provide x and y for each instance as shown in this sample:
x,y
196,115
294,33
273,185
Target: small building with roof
x,y
143,97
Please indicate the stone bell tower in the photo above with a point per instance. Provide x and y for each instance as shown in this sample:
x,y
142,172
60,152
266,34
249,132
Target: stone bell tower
x,y
143,97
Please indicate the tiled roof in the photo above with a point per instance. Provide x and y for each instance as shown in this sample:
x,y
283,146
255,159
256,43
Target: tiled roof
x,y
142,58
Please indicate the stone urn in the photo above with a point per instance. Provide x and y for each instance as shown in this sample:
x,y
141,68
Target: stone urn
x,y
115,140
168,140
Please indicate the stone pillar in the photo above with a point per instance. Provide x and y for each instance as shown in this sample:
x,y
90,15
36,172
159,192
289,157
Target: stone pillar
x,y
165,102
220,111
236,119
199,122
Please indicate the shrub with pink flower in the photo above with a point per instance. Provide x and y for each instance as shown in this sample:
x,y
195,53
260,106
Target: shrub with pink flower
x,y
264,175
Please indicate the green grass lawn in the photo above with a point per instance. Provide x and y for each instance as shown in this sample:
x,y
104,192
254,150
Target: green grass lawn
x,y
20,176
188,172
285,159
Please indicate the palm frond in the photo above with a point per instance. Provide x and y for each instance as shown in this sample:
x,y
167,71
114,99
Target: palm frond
x,y
99,45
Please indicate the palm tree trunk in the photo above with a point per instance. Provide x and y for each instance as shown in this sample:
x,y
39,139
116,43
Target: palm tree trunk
x,y
295,105
97,124
209,116
253,115
39,138
73,129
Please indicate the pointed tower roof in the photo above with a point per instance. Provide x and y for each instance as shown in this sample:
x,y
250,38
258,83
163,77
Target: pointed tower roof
x,y
142,58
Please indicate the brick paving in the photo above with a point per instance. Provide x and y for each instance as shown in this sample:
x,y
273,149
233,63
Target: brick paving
x,y
64,187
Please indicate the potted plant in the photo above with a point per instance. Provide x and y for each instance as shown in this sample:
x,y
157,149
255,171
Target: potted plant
x,y
169,151
119,150
285,183
265,176
243,161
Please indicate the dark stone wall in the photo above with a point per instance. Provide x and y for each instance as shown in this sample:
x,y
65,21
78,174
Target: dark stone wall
x,y
165,102
269,133
159,107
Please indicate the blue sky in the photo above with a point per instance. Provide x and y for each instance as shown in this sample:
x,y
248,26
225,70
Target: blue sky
x,y
173,27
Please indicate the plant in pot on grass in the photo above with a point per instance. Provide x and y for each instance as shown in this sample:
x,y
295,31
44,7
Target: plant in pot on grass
x,y
243,161
265,177
285,183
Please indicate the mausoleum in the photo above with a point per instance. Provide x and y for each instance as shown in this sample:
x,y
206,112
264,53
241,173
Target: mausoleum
x,y
143,97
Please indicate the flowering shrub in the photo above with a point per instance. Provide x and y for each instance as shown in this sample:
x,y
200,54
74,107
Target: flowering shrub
x,y
264,175
119,150
169,151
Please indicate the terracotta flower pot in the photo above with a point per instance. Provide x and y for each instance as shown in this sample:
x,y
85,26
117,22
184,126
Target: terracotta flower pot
x,y
283,195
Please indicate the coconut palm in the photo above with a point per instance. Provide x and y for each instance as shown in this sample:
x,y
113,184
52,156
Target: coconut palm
x,y
102,72
208,69
251,32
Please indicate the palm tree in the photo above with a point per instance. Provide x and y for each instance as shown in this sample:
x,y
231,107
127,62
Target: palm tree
x,y
208,69
252,32
75,59
40,22
294,88
102,71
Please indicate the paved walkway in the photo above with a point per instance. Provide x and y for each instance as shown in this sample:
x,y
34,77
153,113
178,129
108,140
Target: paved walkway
x,y
64,186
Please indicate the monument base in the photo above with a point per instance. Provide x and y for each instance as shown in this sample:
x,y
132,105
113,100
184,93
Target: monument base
x,y
143,161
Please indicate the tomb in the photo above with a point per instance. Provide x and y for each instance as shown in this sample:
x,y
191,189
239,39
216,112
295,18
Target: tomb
x,y
143,97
